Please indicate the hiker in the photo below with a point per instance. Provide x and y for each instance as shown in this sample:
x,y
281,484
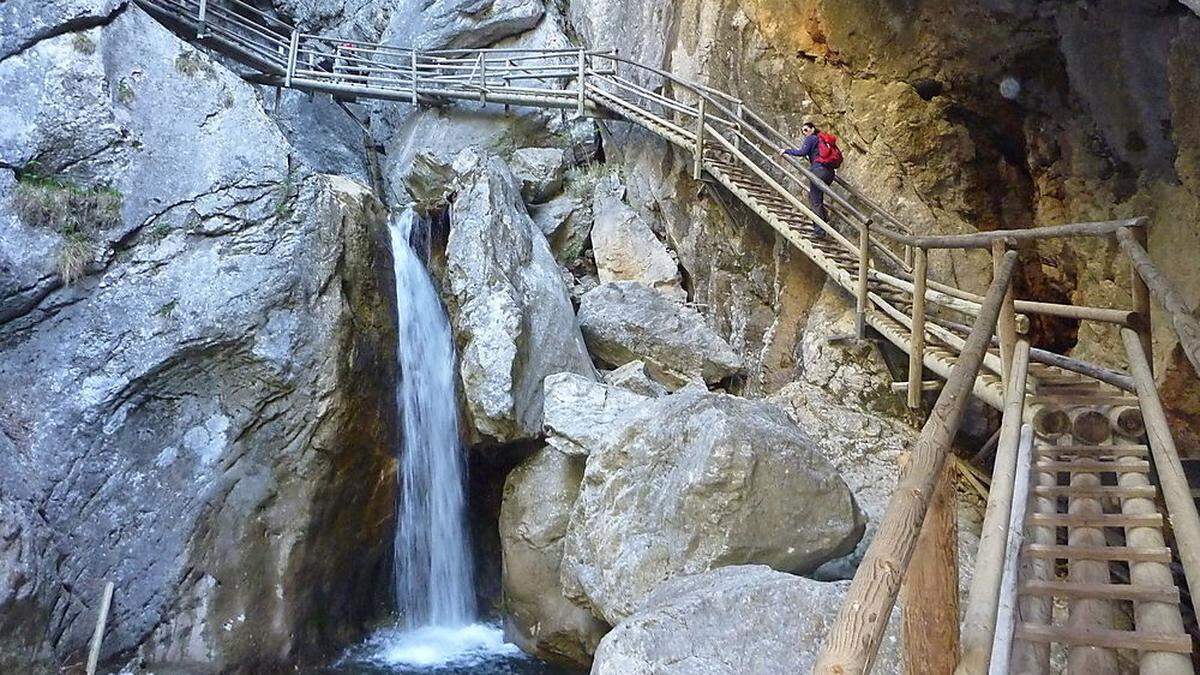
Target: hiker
x,y
823,155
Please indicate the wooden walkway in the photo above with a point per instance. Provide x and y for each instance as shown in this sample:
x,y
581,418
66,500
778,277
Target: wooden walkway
x,y
1074,555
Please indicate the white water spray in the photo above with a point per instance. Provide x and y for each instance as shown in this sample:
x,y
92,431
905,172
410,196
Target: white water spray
x,y
433,564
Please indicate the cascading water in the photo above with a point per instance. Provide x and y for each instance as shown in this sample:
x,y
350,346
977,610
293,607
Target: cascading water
x,y
432,562
434,590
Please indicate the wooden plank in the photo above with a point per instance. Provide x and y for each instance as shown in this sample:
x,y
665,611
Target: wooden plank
x,y
1086,612
98,634
929,596
1068,589
1093,450
1059,552
1082,399
1086,466
853,639
1112,639
1006,608
916,353
1112,491
1095,520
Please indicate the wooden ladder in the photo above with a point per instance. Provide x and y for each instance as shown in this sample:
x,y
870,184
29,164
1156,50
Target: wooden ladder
x,y
1095,578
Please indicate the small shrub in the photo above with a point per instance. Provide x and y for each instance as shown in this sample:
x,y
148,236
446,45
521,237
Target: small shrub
x,y
582,180
83,43
167,310
192,64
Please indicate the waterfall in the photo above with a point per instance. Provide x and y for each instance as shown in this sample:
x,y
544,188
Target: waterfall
x,y
432,553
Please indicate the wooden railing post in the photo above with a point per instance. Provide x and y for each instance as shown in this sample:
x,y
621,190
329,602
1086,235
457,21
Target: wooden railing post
x,y
864,264
916,345
1171,480
1141,297
201,17
1006,328
929,596
293,49
1006,606
414,55
979,622
579,102
854,638
1177,311
698,160
482,78
737,139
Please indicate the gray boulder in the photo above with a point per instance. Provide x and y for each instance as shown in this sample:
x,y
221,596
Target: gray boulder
x,y
581,412
633,376
695,481
624,246
438,24
509,306
540,171
741,620
194,417
24,23
629,321
538,496
566,220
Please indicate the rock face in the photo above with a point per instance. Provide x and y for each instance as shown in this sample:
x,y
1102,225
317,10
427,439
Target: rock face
x,y
538,496
460,23
633,376
625,247
628,321
540,171
580,413
695,481
509,307
204,416
740,620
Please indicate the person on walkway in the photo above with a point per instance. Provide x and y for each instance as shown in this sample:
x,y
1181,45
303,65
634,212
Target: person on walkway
x,y
823,155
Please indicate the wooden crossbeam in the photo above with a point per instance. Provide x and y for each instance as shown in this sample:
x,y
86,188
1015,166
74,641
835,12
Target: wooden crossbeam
x,y
1087,466
1095,520
1113,491
1067,589
1059,552
1110,639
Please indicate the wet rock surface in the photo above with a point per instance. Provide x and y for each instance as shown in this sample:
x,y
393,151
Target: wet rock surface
x,y
538,496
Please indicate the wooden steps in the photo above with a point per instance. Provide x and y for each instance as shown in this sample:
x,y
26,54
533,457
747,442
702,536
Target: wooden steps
x,y
1113,562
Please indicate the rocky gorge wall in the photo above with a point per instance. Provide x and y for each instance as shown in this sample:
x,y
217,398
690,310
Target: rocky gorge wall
x,y
196,391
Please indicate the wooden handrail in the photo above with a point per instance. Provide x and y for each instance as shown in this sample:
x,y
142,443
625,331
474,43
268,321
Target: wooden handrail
x,y
1186,325
979,621
985,239
1176,492
854,638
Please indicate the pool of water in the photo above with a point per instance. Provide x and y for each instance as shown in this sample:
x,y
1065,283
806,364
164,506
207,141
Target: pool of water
x,y
476,649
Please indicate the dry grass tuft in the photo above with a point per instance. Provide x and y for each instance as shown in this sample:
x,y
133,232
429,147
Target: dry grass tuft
x,y
76,213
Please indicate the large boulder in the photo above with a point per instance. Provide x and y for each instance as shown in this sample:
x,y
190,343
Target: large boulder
x,y
624,246
694,481
580,412
633,376
628,321
741,620
540,171
538,496
197,359
509,306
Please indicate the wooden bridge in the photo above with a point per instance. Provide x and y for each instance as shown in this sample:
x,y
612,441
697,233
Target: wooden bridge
x,y
1074,566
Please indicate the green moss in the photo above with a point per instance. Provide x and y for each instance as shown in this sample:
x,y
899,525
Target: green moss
x,y
83,43
192,64
125,93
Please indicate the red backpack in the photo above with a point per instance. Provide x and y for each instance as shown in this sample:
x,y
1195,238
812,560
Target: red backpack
x,y
828,152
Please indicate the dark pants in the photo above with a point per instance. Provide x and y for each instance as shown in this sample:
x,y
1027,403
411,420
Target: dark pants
x,y
816,196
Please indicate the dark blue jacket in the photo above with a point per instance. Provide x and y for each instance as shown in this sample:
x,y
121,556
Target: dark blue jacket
x,y
807,149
